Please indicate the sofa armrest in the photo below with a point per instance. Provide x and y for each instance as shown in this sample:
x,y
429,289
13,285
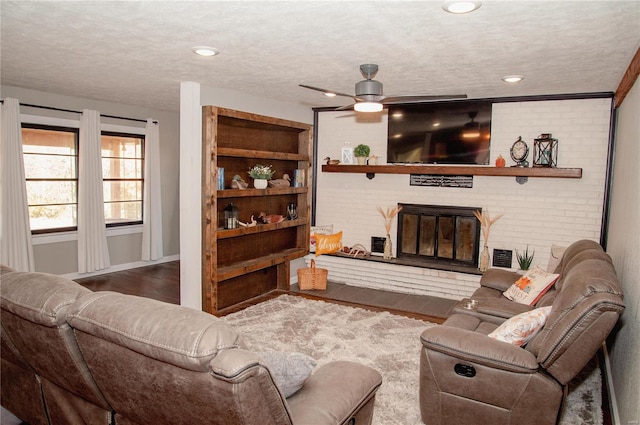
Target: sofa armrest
x,y
334,393
479,348
230,363
499,279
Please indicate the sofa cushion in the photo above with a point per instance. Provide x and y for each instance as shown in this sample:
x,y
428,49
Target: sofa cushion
x,y
522,328
531,287
154,328
288,369
39,297
498,279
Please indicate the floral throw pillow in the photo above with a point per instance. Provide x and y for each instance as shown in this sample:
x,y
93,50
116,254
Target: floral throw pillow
x,y
522,328
328,244
531,287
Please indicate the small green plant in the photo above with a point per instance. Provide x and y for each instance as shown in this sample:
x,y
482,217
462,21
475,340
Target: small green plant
x,y
261,172
525,259
362,151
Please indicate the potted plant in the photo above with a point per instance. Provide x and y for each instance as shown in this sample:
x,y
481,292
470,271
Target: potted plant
x,y
361,152
525,259
260,174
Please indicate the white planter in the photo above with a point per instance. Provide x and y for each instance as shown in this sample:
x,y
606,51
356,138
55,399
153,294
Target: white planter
x,y
260,183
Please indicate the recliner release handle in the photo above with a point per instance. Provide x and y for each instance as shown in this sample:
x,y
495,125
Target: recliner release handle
x,y
465,370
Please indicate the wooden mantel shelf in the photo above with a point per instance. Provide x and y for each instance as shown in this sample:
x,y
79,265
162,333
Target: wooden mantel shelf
x,y
457,170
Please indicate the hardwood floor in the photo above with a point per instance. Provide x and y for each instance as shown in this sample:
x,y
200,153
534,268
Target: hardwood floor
x,y
162,282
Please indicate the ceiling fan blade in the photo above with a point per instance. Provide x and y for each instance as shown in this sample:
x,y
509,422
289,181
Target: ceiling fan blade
x,y
325,91
344,108
388,100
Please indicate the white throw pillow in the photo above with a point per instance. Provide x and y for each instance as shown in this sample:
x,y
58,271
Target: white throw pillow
x,y
555,256
521,328
289,370
531,287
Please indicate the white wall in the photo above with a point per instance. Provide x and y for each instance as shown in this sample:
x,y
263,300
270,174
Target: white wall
x,y
624,247
538,213
53,256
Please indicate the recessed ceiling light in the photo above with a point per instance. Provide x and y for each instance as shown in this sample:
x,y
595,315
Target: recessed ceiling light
x,y
512,78
459,7
329,94
205,51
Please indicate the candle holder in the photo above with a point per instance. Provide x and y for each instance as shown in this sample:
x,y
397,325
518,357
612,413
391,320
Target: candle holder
x,y
231,217
545,151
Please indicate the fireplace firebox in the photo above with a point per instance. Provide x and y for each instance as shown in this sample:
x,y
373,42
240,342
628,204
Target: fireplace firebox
x,y
444,237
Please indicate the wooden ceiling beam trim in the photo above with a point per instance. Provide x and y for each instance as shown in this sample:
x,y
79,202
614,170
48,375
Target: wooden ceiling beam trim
x,y
628,80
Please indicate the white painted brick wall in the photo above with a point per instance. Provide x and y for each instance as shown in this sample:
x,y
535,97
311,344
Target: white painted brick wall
x,y
539,213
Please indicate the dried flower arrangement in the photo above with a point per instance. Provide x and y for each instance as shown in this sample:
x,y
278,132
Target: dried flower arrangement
x,y
485,225
388,216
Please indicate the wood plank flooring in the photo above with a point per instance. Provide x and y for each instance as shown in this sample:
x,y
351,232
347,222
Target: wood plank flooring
x,y
162,282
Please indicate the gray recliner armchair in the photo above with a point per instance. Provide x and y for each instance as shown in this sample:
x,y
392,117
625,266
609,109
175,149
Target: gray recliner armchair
x,y
467,377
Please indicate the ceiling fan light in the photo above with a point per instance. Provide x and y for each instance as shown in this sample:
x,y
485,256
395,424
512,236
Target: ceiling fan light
x,y
368,106
460,7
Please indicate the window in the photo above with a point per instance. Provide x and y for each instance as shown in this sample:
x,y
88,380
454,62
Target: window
x,y
122,173
51,172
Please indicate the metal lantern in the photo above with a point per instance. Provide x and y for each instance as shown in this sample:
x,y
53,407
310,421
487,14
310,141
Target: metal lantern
x,y
231,217
545,151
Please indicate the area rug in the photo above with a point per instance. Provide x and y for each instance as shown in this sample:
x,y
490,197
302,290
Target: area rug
x,y
386,342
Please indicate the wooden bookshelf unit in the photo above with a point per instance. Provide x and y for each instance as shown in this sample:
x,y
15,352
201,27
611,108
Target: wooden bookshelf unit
x,y
245,262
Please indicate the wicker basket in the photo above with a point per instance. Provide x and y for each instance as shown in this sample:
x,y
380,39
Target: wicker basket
x,y
310,278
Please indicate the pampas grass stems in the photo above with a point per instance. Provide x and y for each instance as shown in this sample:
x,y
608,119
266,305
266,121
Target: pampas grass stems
x,y
485,223
388,216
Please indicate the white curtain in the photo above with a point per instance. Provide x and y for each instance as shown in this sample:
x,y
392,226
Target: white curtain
x,y
152,208
16,250
93,253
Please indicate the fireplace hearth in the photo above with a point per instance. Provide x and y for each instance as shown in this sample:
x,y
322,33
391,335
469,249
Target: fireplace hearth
x,y
443,237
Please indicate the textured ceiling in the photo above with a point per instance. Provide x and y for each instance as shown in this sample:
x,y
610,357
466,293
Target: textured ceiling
x,y
138,52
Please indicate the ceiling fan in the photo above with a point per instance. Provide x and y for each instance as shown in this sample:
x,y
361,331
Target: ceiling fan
x,y
369,97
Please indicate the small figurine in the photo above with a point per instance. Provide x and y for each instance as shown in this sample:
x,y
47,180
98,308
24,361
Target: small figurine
x,y
285,181
331,161
252,223
271,218
238,183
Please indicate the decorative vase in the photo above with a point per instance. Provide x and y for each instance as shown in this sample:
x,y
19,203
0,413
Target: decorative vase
x,y
387,248
484,259
362,160
260,183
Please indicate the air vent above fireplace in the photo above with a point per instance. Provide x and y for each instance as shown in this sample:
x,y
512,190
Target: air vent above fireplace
x,y
445,237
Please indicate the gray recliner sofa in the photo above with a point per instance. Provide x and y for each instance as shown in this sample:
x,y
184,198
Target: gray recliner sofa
x,y
70,355
466,377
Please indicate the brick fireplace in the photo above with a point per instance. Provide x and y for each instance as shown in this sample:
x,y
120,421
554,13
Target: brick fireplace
x,y
537,214
443,237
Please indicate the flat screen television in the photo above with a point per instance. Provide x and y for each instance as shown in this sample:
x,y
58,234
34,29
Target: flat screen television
x,y
456,132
